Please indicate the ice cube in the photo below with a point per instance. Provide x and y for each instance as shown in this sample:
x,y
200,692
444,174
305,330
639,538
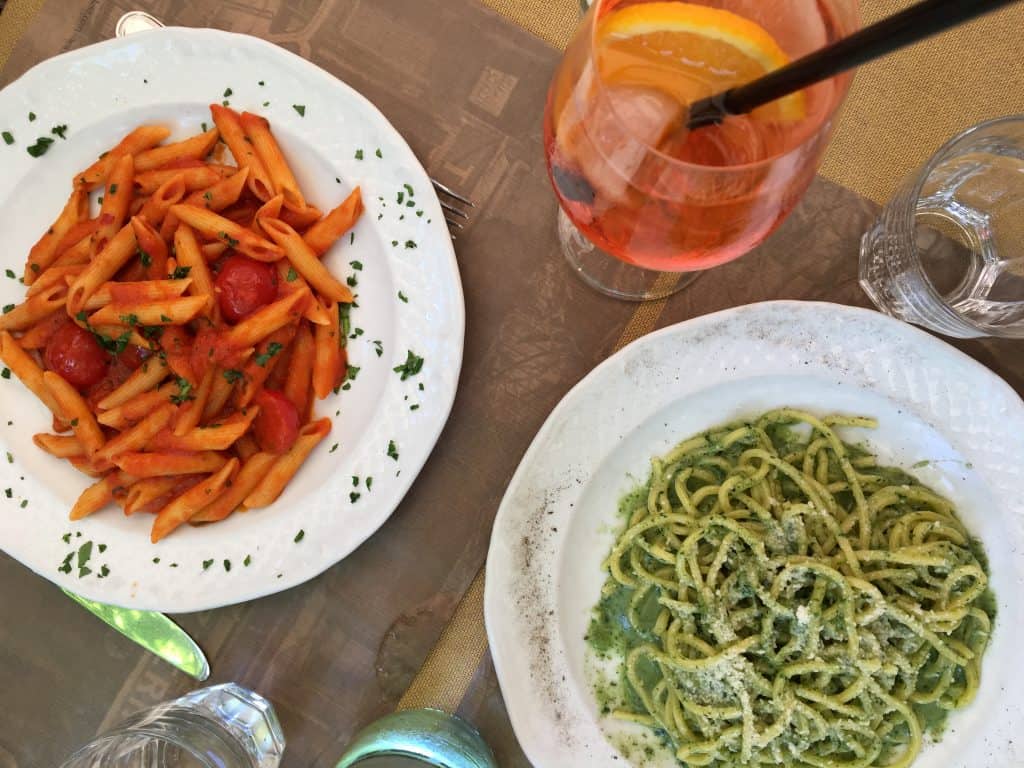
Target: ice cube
x,y
608,131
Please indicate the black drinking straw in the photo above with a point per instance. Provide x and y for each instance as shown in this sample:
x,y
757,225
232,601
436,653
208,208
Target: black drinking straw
x,y
923,20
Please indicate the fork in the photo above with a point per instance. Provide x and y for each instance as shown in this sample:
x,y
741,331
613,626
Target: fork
x,y
456,217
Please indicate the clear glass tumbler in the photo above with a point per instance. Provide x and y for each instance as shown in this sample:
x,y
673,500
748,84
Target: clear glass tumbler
x,y
947,252
225,726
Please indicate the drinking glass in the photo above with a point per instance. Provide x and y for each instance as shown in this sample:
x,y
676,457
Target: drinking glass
x,y
643,199
225,726
947,252
418,738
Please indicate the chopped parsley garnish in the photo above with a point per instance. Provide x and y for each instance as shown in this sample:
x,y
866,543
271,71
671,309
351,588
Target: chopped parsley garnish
x,y
392,450
346,323
261,83
359,154
300,108
413,364
357,265
272,349
24,503
65,567
292,275
39,148
66,538
227,565
248,559
5,373
180,273
352,281
84,554
207,564
31,117
232,243
369,483
401,197
156,561
102,548
352,372
414,407
333,448
378,347
10,457
105,571
74,422
130,319
9,308
354,497
184,392
203,126
266,103
402,297
145,258
351,238
113,189
355,481
379,153
9,493
299,536
410,244
59,130
227,92
10,274
232,375
8,137
165,319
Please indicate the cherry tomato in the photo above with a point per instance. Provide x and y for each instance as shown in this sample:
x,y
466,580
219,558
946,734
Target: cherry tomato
x,y
244,285
277,424
74,353
133,357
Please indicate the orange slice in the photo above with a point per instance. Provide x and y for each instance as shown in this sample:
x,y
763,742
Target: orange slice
x,y
689,52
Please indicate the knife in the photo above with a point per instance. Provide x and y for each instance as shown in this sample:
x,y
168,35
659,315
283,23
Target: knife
x,y
154,632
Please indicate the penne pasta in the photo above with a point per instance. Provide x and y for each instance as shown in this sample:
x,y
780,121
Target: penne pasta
x,y
289,281
264,321
215,437
24,367
305,261
148,490
193,148
267,356
216,227
300,369
249,476
126,414
44,252
117,197
61,446
99,494
39,335
139,140
189,256
103,267
328,368
143,379
199,177
166,421
72,408
258,130
192,411
137,437
171,192
34,309
181,509
167,464
164,312
230,127
284,469
137,292
301,219
322,235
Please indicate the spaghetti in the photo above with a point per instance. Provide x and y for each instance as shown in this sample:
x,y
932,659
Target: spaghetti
x,y
780,599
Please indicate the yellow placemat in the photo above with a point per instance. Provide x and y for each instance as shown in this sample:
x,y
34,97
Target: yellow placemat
x,y
901,108
13,21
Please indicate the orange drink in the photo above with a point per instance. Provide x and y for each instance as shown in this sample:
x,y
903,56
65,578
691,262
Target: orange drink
x,y
634,181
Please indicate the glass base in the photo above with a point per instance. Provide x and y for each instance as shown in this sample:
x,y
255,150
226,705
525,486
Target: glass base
x,y
611,276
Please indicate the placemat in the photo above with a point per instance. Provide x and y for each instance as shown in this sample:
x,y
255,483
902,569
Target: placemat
x,y
465,88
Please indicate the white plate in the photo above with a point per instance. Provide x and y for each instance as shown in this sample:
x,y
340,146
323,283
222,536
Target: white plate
x,y
558,518
171,76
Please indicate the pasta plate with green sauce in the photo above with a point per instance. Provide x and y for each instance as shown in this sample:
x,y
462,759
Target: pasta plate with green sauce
x,y
777,598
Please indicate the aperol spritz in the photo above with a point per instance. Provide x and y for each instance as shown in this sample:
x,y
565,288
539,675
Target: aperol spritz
x,y
640,187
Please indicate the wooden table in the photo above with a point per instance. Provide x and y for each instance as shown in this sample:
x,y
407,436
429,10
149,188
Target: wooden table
x,y
466,88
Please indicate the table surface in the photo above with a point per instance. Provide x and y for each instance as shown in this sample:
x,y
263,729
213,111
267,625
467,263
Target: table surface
x,y
466,88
